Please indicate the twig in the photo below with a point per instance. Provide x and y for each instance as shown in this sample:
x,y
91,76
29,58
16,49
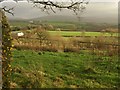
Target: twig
x,y
8,10
50,3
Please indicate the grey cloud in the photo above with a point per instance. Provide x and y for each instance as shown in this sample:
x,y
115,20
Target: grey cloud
x,y
106,11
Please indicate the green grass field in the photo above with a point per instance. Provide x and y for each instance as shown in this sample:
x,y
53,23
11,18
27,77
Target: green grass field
x,y
54,69
75,33
64,69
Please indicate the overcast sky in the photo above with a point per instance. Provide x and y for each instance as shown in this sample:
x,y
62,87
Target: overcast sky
x,y
96,8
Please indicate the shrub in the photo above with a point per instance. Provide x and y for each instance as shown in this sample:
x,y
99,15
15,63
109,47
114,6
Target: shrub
x,y
42,35
16,28
71,49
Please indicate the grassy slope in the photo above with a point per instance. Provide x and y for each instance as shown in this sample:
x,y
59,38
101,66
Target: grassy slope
x,y
66,69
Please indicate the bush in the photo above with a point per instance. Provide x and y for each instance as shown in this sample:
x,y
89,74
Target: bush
x,y
16,28
71,49
42,35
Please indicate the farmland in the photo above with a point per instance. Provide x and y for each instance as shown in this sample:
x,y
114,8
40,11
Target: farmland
x,y
76,33
43,57
59,44
73,70
65,26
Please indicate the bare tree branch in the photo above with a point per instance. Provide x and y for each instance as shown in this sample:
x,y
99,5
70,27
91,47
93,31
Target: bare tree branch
x,y
52,9
75,6
47,6
50,3
10,10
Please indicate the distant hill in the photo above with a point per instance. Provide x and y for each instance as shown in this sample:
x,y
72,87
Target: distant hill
x,y
18,19
56,18
63,18
109,20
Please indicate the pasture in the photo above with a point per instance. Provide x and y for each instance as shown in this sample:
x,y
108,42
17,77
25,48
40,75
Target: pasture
x,y
55,63
45,58
78,33
67,70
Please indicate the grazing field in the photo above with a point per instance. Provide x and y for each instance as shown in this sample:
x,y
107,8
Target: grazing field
x,y
76,33
65,59
71,70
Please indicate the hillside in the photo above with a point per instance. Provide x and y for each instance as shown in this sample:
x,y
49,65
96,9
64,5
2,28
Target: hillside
x,y
57,18
109,20
66,23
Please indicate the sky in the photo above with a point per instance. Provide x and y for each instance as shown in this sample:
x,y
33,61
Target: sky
x,y
99,9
